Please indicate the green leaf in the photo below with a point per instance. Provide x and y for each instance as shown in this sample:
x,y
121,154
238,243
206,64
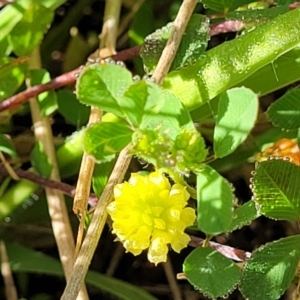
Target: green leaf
x,y
285,112
101,175
15,196
244,215
232,62
255,17
7,146
9,17
71,109
225,5
192,45
276,75
215,202
53,4
47,100
33,210
145,16
237,113
144,104
275,185
5,49
104,140
24,260
29,31
40,160
211,273
69,154
270,270
147,106
12,74
250,149
284,2
102,86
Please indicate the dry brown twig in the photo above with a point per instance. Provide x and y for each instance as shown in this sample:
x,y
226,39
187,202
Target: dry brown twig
x,y
107,47
178,29
98,221
9,286
95,228
11,172
84,184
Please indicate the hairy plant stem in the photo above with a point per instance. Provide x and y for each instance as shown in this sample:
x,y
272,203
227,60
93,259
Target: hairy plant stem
x,y
56,202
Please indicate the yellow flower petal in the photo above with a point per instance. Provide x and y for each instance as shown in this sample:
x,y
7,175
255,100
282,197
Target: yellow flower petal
x,y
149,212
158,251
160,181
159,223
180,242
188,216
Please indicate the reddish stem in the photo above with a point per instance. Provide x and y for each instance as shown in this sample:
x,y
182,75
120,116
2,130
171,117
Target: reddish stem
x,y
59,81
70,77
229,252
63,187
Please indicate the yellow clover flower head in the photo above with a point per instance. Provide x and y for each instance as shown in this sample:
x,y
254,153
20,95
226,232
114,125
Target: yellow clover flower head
x,y
150,213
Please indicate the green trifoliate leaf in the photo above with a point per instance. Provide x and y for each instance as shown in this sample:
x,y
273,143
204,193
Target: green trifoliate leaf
x,y
102,86
193,44
215,201
211,273
147,106
244,215
270,270
237,113
104,140
285,112
275,185
29,31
